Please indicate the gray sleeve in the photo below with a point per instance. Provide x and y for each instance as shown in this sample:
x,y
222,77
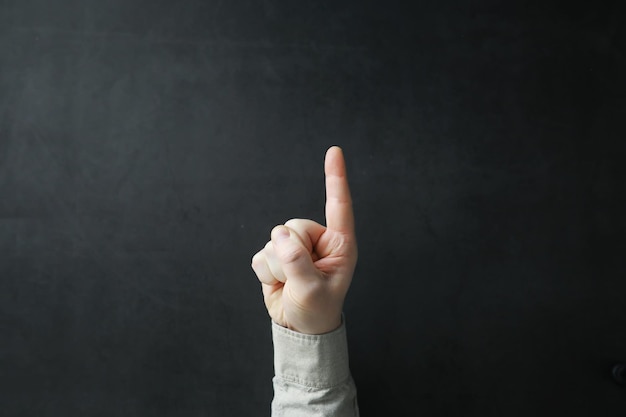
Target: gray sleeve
x,y
312,376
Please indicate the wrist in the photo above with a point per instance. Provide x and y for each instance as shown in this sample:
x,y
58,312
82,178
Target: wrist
x,y
326,326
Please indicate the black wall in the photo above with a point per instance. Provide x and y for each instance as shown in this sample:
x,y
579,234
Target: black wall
x,y
147,148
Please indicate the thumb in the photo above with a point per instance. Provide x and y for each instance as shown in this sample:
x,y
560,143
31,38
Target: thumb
x,y
293,255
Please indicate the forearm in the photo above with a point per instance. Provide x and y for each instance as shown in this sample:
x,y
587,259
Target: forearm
x,y
312,374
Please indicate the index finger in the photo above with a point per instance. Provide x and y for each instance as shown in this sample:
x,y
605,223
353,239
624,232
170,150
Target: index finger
x,y
339,215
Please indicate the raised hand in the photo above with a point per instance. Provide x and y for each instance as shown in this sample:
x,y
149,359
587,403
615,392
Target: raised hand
x,y
306,268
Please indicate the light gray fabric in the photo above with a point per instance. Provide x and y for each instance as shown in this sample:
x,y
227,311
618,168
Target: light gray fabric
x,y
312,376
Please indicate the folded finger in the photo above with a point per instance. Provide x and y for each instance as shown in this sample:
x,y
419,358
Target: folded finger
x,y
273,262
262,269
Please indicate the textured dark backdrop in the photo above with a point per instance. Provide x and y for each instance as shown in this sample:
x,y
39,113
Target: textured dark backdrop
x,y
147,148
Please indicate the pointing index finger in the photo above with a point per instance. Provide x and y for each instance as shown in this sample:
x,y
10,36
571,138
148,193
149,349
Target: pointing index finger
x,y
339,215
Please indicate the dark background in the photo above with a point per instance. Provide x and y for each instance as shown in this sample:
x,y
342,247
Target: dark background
x,y
147,148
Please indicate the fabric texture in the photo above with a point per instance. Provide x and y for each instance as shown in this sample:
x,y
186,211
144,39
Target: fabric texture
x,y
312,374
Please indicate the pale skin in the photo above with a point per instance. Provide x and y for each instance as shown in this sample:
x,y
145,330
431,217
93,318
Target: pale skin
x,y
306,268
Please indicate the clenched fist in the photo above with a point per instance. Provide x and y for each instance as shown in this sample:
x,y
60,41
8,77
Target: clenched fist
x,y
306,268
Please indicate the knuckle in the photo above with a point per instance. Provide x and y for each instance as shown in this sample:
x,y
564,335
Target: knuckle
x,y
293,222
256,258
291,254
274,229
340,242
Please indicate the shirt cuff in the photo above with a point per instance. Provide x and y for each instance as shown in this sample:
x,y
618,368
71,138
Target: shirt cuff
x,y
318,361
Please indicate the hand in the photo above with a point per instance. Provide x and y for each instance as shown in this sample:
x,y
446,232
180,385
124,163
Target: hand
x,y
306,268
